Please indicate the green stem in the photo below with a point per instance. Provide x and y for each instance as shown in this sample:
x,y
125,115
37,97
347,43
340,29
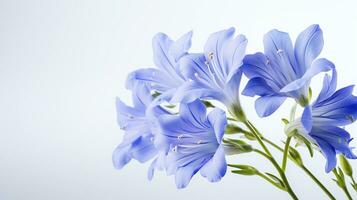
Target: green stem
x,y
286,150
281,173
343,187
255,132
271,181
308,172
327,192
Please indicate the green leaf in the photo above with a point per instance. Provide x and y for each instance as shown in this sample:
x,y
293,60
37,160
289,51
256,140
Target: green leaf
x,y
345,165
275,178
354,186
155,94
246,172
208,104
310,93
233,129
239,145
296,156
285,121
306,142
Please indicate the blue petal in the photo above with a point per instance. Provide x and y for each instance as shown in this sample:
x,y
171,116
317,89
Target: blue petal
x,y
121,156
319,65
141,96
194,67
125,114
183,175
306,119
218,120
156,79
266,105
279,49
214,46
192,90
308,46
194,113
143,149
231,90
166,59
181,46
216,167
157,164
233,54
329,86
329,153
257,86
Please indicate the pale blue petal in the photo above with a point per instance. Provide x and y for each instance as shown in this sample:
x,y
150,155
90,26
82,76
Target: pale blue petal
x,y
231,91
216,167
257,86
194,112
213,47
181,46
192,90
218,120
156,79
279,49
308,46
162,59
319,65
183,175
121,156
329,86
330,154
266,105
306,119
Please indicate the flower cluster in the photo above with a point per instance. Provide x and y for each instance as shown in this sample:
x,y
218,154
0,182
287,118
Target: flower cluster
x,y
176,124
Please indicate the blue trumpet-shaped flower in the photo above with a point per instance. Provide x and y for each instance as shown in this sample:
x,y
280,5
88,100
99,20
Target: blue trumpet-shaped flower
x,y
283,70
138,141
320,122
192,142
167,77
215,74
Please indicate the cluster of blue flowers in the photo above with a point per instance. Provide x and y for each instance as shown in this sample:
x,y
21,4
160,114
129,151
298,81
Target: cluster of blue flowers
x,y
173,123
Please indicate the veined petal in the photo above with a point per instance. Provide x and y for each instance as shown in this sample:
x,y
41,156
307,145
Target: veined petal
x,y
233,54
308,46
257,86
143,149
329,86
121,156
213,51
194,112
181,46
192,90
218,120
266,105
279,49
216,167
330,154
231,91
319,65
166,61
183,175
306,119
141,97
156,79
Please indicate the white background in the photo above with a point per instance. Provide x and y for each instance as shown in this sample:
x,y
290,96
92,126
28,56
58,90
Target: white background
x,y
62,63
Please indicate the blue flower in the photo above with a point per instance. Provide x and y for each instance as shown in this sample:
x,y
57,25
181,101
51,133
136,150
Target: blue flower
x,y
138,141
283,70
320,122
192,142
167,77
215,74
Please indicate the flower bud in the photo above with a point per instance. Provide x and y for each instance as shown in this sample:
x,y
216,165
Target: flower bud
x,y
345,165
